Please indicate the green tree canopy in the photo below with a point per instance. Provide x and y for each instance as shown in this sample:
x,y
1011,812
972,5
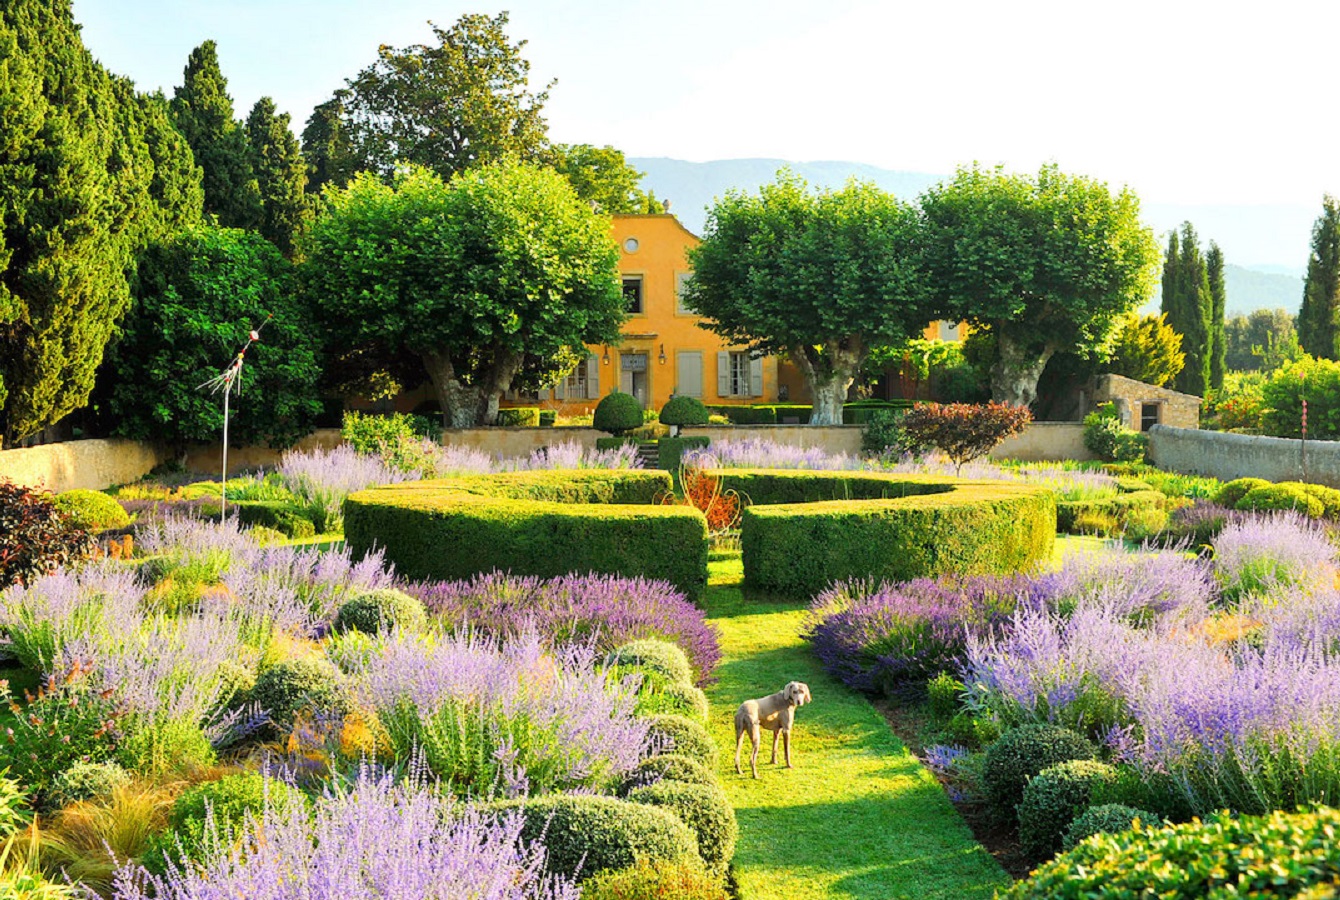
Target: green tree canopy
x,y
1214,273
1189,305
464,102
1047,263
326,147
89,171
1262,340
820,277
281,175
203,112
502,265
1147,349
1317,319
197,296
602,175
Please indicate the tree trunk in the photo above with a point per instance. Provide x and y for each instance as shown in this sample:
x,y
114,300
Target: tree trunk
x,y
1014,377
470,405
830,378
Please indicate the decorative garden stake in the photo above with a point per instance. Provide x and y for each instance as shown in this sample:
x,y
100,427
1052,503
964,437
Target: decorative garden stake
x,y
228,381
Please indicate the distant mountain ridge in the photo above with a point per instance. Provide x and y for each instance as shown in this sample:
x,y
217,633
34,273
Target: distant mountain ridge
x,y
1273,240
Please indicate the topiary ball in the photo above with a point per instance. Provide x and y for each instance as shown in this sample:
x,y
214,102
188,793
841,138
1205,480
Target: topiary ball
x,y
1329,497
230,800
702,807
666,767
92,510
617,413
1022,753
674,697
686,880
660,657
1053,798
374,612
684,737
1231,492
1281,497
589,834
86,780
1109,818
291,686
684,411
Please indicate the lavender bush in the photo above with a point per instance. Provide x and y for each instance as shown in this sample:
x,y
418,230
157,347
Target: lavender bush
x,y
1263,554
606,610
376,841
763,454
321,479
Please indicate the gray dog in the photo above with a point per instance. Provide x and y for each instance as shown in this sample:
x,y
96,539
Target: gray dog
x,y
775,712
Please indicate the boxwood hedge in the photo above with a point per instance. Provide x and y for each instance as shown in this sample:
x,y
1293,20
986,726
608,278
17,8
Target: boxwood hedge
x,y
805,530
545,523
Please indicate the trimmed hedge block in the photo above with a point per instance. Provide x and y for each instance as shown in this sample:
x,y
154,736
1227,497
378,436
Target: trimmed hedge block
x,y
545,524
1119,508
289,519
670,450
830,526
519,417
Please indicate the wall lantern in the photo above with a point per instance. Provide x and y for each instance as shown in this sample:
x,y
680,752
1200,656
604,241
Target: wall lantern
x,y
606,358
661,359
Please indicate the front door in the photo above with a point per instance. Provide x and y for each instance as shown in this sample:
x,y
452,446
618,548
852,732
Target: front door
x,y
633,377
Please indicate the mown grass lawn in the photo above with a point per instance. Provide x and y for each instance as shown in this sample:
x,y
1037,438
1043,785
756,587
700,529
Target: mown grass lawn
x,y
859,816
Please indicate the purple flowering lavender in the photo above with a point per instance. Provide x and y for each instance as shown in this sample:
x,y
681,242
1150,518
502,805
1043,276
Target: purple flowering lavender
x,y
755,453
572,455
1266,553
299,589
377,841
1140,587
64,606
323,478
608,610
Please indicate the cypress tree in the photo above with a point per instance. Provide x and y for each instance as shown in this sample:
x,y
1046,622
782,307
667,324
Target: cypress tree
x,y
1321,289
1188,304
326,147
203,112
1214,271
281,174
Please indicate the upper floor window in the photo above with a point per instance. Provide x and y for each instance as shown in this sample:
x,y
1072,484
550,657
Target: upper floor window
x,y
632,294
682,282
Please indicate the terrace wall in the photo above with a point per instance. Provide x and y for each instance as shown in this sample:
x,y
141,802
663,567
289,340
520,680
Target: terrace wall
x,y
1227,456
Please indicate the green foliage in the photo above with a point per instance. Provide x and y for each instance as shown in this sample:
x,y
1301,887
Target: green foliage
x,y
14,813
943,695
1107,438
290,687
1214,273
533,523
602,176
1275,855
819,277
203,113
168,747
681,410
1106,818
883,432
1317,381
91,172
656,881
617,413
230,801
326,147
1321,288
1053,799
504,271
1233,491
1046,263
35,535
396,438
1188,305
86,781
281,175
707,812
601,833
1281,496
519,417
1022,753
92,510
197,297
374,612
657,696
670,451
1147,349
1121,510
684,737
919,527
962,431
1263,340
286,517
660,657
667,767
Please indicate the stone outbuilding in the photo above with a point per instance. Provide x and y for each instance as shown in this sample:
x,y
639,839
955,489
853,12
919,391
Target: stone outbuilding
x,y
1142,406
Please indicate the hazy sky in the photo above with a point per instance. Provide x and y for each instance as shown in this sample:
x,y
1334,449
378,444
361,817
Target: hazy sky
x,y
1187,102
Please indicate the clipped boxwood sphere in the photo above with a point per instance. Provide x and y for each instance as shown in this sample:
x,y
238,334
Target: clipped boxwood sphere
x,y
666,767
92,510
660,657
291,686
1281,497
1108,818
374,612
705,809
1053,799
684,411
1231,492
616,413
674,697
685,737
1329,497
598,833
232,798
1279,854
649,881
1022,753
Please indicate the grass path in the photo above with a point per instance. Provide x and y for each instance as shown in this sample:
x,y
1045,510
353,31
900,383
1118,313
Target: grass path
x,y
859,817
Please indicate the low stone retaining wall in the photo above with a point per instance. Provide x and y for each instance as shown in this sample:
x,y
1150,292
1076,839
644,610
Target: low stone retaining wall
x,y
93,465
1227,456
1045,442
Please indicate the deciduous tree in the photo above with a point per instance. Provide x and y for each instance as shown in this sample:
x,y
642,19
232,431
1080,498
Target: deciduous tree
x,y
1044,263
820,277
1262,340
503,265
603,176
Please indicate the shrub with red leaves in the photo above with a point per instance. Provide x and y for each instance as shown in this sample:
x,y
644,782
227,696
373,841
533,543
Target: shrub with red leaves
x,y
963,431
35,536
704,493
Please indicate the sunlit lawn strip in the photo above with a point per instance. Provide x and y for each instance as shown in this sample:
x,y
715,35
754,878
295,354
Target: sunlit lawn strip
x,y
858,817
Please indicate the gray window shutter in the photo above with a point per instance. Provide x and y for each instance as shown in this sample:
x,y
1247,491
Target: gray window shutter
x,y
561,389
756,376
592,377
723,374
689,372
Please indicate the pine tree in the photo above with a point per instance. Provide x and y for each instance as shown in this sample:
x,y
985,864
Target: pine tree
x,y
1214,271
203,112
1321,289
281,174
1188,304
